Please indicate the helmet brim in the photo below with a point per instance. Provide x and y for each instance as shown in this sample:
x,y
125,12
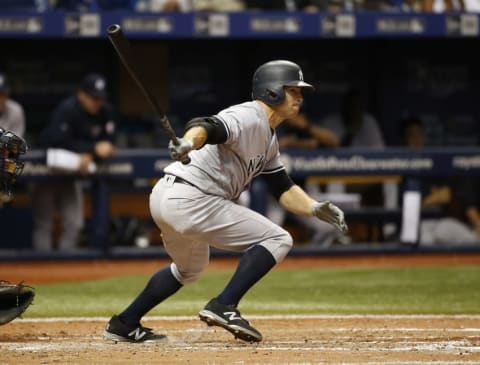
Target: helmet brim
x,y
301,84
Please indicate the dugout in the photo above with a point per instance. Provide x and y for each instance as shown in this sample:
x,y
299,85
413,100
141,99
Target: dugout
x,y
432,73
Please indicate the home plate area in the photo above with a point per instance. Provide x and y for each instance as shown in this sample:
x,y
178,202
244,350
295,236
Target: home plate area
x,y
324,339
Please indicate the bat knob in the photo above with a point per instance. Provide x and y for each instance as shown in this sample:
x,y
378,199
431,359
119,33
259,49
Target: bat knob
x,y
114,28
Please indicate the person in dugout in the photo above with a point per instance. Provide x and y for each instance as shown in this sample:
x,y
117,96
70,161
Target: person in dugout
x,y
83,123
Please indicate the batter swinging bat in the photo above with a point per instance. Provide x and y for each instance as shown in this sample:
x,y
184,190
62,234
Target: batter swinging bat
x,y
122,46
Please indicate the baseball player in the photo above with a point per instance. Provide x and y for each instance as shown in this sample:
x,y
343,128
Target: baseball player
x,y
194,204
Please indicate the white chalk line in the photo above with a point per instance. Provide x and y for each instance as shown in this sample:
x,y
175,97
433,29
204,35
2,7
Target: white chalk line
x,y
272,317
439,347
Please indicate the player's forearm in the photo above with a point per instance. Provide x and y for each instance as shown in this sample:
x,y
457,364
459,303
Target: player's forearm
x,y
297,201
197,135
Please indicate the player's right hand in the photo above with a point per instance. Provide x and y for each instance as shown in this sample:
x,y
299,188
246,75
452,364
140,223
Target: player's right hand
x,y
179,152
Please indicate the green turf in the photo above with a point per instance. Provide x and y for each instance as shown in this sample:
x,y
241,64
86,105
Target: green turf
x,y
432,290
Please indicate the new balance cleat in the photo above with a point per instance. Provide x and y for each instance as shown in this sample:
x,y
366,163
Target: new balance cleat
x,y
118,331
228,317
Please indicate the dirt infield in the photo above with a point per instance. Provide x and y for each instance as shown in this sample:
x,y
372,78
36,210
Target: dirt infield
x,y
296,340
293,340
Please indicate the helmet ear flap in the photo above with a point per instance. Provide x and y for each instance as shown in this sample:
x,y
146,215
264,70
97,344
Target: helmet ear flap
x,y
272,96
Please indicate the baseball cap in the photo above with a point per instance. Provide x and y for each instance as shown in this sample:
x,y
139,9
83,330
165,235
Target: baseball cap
x,y
4,86
95,85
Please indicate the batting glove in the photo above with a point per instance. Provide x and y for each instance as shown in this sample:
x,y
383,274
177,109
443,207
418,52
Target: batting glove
x,y
330,213
179,152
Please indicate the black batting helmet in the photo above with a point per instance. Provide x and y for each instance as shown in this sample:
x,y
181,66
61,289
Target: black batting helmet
x,y
270,78
11,147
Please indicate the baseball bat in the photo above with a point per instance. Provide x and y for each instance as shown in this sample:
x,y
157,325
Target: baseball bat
x,y
122,47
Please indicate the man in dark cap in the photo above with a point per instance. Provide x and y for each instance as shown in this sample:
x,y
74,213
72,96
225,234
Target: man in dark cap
x,y
83,123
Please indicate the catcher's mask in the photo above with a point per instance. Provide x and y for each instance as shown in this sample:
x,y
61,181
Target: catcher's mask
x,y
270,78
11,147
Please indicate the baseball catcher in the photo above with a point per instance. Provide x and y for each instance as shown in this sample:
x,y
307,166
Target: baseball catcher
x,y
14,298
11,147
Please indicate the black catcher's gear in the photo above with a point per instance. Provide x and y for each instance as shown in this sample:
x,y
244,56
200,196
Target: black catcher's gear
x,y
14,300
11,147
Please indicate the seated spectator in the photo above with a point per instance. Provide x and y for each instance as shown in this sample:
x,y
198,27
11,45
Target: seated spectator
x,y
436,6
154,6
300,133
354,127
218,5
297,133
190,5
472,6
457,198
335,6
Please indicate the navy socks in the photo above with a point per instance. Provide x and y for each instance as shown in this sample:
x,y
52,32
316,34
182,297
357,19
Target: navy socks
x,y
253,265
160,286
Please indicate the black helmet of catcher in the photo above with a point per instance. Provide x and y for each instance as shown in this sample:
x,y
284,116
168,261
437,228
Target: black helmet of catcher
x,y
11,147
270,78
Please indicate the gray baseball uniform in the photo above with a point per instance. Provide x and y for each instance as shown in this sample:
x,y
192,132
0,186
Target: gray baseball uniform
x,y
13,118
203,213
194,204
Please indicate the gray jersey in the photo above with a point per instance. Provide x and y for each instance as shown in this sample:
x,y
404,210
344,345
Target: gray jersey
x,y
13,118
227,169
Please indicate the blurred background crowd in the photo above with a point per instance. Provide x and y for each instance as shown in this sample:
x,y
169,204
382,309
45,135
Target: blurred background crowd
x,y
244,5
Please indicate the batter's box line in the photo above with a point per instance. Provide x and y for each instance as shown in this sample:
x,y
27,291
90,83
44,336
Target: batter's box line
x,y
269,317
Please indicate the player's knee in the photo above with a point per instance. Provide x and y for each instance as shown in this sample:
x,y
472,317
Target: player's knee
x,y
185,277
279,245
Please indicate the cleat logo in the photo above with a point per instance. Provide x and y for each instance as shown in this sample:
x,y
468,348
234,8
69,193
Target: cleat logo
x,y
137,334
231,316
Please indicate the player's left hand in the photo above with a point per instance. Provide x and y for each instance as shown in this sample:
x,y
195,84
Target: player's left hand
x,y
330,213
179,152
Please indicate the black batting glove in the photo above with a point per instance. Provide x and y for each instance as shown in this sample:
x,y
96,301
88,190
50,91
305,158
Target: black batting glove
x,y
179,152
